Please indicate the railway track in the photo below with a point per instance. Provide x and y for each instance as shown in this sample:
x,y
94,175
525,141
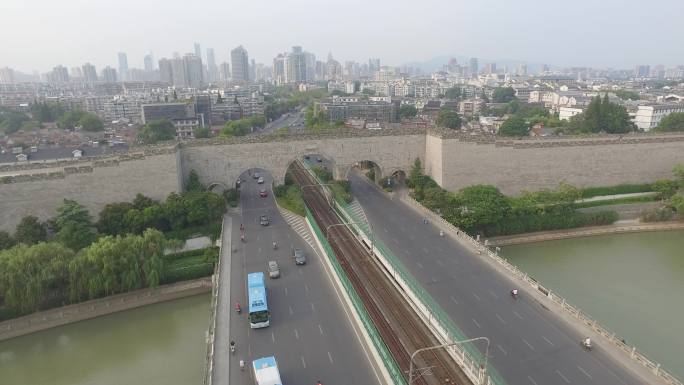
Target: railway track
x,y
399,326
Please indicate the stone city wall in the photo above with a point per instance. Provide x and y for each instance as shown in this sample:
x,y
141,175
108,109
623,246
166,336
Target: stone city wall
x,y
92,184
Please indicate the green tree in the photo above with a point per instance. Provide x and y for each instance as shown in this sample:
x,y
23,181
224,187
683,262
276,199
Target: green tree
x,y
677,203
672,122
480,207
503,94
448,118
194,184
453,93
141,201
157,130
6,240
665,187
407,111
74,226
111,220
514,126
90,122
30,231
12,121
202,132
627,95
175,211
46,112
30,275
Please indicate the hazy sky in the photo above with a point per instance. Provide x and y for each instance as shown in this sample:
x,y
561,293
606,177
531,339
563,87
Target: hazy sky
x,y
39,34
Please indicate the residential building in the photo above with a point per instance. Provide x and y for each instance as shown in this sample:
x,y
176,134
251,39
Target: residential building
x,y
149,63
295,66
198,50
185,127
642,71
240,64
59,74
89,73
344,108
473,67
179,73
649,116
565,113
170,111
193,68
6,75
212,69
279,69
224,72
165,71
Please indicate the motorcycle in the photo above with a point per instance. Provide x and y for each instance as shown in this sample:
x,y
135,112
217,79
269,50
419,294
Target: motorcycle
x,y
586,345
275,246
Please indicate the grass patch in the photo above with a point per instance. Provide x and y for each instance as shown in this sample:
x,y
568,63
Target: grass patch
x,y
641,199
341,190
290,197
189,265
212,230
590,192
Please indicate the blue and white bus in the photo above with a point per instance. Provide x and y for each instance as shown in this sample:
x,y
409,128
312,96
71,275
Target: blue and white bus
x,y
259,316
266,371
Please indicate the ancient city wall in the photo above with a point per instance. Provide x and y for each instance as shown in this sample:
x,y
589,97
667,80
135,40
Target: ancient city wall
x,y
221,162
93,183
519,165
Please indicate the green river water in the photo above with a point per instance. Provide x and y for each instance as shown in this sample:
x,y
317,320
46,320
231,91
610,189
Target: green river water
x,y
161,344
632,283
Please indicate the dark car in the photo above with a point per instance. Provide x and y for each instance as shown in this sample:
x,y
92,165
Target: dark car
x,y
299,257
263,193
256,175
264,220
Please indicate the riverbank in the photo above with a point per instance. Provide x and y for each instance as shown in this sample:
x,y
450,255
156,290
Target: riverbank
x,y
583,232
98,307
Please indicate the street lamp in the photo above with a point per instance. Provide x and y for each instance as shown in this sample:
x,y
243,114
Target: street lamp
x,y
484,369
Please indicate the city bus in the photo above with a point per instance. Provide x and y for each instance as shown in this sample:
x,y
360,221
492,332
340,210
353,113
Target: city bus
x,y
259,316
266,371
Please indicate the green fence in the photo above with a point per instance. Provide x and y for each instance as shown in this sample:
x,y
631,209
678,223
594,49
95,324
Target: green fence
x,y
454,333
391,365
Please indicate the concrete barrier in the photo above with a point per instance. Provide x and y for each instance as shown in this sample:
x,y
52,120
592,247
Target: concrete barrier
x,y
98,307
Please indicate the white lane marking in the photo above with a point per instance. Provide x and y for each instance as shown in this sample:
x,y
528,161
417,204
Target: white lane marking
x,y
259,248
454,299
584,371
493,294
517,314
476,296
320,329
257,238
290,307
306,287
477,324
286,292
419,264
313,308
528,344
532,380
547,340
273,337
296,334
562,376
502,350
500,319
300,271
303,362
330,357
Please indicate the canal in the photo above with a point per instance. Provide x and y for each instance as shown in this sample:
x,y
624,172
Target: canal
x,y
632,283
161,344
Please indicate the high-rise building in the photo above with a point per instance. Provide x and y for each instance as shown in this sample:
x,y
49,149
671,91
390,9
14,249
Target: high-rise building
x,y
212,69
279,69
252,70
75,72
193,68
642,71
240,62
89,73
149,62
165,71
474,67
179,72
109,74
224,72
310,66
198,50
59,74
123,65
522,69
6,75
373,65
490,68
295,66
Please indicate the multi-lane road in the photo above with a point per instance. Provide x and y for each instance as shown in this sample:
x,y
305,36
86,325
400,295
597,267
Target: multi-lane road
x,y
529,344
310,334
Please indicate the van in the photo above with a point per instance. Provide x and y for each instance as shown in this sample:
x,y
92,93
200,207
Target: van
x,y
273,269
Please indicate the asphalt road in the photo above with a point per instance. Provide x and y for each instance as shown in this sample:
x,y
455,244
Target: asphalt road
x,y
284,121
529,344
310,334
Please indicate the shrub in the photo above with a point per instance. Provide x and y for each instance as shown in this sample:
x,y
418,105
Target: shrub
x,y
659,214
615,190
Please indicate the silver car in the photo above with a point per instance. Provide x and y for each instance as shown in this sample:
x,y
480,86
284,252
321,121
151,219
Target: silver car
x,y
299,257
273,269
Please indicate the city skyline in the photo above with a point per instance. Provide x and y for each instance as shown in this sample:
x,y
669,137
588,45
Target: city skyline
x,y
476,31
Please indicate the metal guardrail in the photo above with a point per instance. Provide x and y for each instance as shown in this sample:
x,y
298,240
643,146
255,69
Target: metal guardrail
x,y
564,304
389,362
211,333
